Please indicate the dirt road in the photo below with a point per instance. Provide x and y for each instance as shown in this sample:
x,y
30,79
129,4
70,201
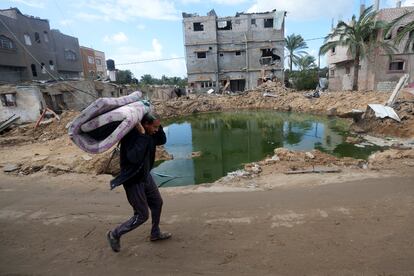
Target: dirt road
x,y
56,225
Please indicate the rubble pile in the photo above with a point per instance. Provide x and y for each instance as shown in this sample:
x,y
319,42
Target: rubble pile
x,y
381,158
273,87
48,129
388,126
64,157
285,160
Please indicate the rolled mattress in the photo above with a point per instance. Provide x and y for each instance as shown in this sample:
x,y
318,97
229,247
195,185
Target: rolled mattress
x,y
125,111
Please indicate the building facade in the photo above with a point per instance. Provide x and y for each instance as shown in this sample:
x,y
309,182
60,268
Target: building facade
x,y
233,53
93,63
68,58
100,62
379,71
88,63
29,50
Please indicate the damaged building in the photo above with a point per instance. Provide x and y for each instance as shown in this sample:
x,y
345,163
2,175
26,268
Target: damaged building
x,y
233,53
379,71
29,49
28,101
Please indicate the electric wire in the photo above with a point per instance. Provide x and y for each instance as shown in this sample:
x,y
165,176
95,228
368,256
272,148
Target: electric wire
x,y
38,62
208,53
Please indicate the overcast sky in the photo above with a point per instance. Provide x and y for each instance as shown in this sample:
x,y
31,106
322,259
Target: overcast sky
x,y
132,30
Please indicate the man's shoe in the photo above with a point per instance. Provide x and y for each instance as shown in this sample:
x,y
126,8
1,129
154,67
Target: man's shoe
x,y
114,243
161,236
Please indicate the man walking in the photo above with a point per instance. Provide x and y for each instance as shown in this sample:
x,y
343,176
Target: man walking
x,y
137,159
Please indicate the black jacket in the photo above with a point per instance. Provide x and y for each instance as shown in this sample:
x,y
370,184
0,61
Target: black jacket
x,y
137,156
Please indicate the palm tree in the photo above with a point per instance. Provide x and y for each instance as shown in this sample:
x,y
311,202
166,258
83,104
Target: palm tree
x,y
306,62
360,36
295,45
408,28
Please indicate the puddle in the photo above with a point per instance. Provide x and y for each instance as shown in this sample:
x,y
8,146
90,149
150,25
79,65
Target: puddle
x,y
227,140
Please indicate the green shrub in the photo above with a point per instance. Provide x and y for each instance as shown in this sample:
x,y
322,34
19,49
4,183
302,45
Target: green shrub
x,y
304,80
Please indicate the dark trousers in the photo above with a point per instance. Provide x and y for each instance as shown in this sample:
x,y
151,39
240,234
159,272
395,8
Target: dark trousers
x,y
142,195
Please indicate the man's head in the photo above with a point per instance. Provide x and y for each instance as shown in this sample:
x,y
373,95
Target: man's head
x,y
151,123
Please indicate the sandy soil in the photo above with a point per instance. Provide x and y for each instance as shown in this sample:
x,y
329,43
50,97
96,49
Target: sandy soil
x,y
351,223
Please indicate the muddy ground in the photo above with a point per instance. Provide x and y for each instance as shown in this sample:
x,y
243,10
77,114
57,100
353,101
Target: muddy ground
x,y
55,210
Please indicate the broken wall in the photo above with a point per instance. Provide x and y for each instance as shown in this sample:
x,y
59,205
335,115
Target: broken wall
x,y
28,104
77,95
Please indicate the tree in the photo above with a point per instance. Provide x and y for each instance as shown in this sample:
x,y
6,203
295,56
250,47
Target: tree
x,y
403,30
295,45
306,62
147,79
360,36
124,76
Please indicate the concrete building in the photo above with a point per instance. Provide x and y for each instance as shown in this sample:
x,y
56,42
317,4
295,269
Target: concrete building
x,y
88,63
29,50
28,101
233,53
93,63
68,58
378,72
100,62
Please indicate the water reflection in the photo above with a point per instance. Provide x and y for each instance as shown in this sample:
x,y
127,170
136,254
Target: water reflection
x,y
227,140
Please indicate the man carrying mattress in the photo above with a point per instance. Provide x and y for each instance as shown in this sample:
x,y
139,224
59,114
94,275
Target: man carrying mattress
x,y
137,159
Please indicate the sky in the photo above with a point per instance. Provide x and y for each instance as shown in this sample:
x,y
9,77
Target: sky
x,y
144,30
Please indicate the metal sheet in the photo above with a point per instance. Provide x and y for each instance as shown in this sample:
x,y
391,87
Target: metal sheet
x,y
382,111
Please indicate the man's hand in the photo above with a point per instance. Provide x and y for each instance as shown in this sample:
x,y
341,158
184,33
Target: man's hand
x,y
140,128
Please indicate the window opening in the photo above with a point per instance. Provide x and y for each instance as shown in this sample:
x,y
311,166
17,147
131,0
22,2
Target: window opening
x,y
268,23
224,25
198,27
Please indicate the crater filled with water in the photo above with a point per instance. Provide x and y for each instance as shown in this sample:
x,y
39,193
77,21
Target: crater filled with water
x,y
228,140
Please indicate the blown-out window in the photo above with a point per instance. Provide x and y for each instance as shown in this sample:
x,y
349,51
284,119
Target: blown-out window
x,y
396,65
6,43
198,27
70,55
37,37
8,99
45,36
201,55
27,39
268,23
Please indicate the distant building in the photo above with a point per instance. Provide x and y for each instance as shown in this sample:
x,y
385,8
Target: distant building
x,y
93,63
234,53
88,62
68,58
100,62
29,50
378,72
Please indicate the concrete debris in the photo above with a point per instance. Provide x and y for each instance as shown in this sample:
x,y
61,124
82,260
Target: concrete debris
x,y
11,167
388,142
86,157
314,170
195,154
353,140
253,168
391,154
273,160
269,95
403,80
7,123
